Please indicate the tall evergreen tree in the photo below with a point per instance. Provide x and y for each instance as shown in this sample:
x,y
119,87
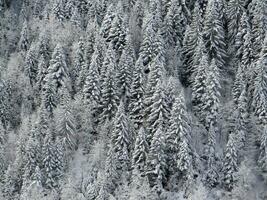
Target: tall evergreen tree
x,y
140,152
31,64
136,106
262,160
156,162
230,164
24,42
214,33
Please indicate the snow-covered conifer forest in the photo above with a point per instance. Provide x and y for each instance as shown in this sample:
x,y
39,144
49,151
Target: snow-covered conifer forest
x,y
133,99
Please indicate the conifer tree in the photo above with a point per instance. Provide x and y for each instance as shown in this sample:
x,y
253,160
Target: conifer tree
x,y
243,29
211,96
58,69
91,90
230,164
136,106
118,31
158,112
59,10
76,19
107,22
259,92
24,42
125,69
44,42
156,162
80,64
193,38
211,173
258,23
177,137
198,85
235,9
262,160
122,139
214,33
41,73
140,152
109,95
31,64
66,125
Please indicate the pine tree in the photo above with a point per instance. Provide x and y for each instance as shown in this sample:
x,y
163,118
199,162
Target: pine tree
x,y
58,69
66,125
24,42
52,161
235,9
211,96
230,164
156,161
41,73
259,93
118,31
59,10
125,69
214,34
211,172
147,48
136,106
140,152
238,83
177,137
80,64
91,90
107,21
109,96
193,39
198,85
76,19
43,43
258,23
243,29
262,160
31,64
158,112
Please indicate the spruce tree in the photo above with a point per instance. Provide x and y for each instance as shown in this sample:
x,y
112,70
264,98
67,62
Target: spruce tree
x,y
109,99
177,137
262,160
140,152
91,90
158,112
125,69
31,64
136,106
107,22
122,139
214,34
76,19
24,42
211,96
230,164
59,10
156,161
58,70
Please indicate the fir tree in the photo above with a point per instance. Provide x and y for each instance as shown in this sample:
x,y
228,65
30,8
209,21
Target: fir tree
x,y
76,18
91,90
177,137
31,64
262,160
136,106
59,10
140,152
158,112
107,22
192,40
58,69
24,42
125,69
122,139
211,96
214,34
156,161
230,164
109,96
